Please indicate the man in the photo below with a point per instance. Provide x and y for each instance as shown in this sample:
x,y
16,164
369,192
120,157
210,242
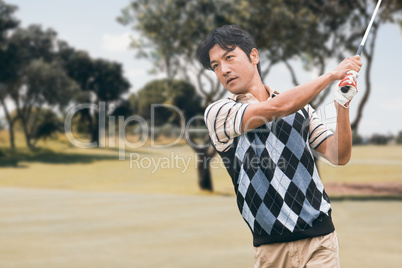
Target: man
x,y
266,140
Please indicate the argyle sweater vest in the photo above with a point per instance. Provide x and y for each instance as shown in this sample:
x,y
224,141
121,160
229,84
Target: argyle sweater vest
x,y
279,192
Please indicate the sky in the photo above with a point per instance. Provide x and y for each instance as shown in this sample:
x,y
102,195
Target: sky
x,y
91,25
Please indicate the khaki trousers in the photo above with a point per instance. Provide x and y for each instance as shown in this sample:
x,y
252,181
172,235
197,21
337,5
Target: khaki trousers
x,y
320,252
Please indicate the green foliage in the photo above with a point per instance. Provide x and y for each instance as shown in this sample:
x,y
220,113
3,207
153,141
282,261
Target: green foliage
x,y
48,83
37,70
380,139
7,23
134,103
398,138
123,109
77,64
108,81
42,124
101,77
310,31
180,94
30,53
169,29
49,124
44,84
283,29
32,78
98,79
34,42
357,139
7,19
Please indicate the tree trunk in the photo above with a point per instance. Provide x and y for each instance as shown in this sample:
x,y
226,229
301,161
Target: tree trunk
x,y
204,153
86,115
24,124
11,134
204,172
10,123
26,133
95,129
292,73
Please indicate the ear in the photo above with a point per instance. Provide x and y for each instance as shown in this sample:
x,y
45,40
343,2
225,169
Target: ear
x,y
255,58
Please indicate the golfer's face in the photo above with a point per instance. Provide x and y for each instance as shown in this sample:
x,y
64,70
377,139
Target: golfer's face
x,y
233,68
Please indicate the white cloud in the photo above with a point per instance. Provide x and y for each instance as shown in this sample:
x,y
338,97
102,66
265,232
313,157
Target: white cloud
x,y
116,43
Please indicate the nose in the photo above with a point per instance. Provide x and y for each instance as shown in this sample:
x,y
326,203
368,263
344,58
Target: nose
x,y
225,68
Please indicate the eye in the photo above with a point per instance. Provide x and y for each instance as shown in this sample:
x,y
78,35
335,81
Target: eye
x,y
214,66
229,57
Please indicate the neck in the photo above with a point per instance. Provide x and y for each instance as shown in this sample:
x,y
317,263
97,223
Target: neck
x,y
259,91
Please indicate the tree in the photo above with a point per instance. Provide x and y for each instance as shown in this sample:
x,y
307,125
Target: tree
x,y
48,125
99,81
108,85
79,66
303,32
179,93
336,34
380,139
43,124
122,108
398,138
46,85
169,38
35,78
182,95
308,31
285,31
7,20
357,139
7,61
170,33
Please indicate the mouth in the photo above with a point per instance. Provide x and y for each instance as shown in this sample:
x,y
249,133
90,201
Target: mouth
x,y
230,80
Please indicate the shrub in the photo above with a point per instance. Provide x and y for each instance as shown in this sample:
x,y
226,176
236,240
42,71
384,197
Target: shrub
x,y
380,139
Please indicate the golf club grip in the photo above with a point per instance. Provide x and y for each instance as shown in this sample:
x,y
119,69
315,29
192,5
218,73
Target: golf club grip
x,y
345,89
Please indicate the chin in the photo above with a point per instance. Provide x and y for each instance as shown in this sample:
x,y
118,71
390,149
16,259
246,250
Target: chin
x,y
236,90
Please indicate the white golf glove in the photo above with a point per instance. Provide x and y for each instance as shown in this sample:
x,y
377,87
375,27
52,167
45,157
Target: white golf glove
x,y
348,80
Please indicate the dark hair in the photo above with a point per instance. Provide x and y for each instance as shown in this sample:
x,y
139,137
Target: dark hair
x,y
228,37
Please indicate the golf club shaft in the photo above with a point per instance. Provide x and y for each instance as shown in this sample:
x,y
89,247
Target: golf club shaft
x,y
360,49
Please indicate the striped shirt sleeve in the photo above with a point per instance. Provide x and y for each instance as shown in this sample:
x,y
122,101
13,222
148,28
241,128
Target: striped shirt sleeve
x,y
318,131
223,119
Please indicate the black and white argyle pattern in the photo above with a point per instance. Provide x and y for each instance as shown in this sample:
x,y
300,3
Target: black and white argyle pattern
x,y
278,186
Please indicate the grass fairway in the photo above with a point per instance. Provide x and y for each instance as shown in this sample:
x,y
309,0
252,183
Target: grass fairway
x,y
53,228
62,206
368,164
168,171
